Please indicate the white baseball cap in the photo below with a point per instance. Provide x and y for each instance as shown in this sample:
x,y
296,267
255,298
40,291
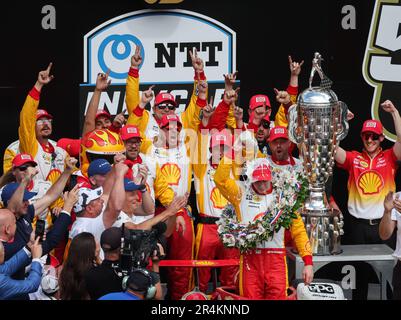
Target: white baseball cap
x,y
49,281
85,196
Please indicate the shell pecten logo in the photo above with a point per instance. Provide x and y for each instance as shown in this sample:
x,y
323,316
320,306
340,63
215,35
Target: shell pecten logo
x,y
370,182
172,173
217,199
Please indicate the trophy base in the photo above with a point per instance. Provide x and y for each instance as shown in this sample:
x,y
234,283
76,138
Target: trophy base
x,y
324,231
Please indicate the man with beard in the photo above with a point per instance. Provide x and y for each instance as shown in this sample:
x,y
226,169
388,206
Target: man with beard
x,y
34,135
371,178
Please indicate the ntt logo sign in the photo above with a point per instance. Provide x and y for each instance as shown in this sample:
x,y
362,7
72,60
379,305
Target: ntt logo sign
x,y
165,38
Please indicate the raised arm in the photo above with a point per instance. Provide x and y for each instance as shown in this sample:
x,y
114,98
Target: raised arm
x,y
102,84
389,107
132,89
292,91
227,186
140,117
117,196
26,130
190,117
16,201
57,188
176,205
387,225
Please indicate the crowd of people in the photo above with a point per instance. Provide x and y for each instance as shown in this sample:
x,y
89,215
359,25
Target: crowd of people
x,y
64,221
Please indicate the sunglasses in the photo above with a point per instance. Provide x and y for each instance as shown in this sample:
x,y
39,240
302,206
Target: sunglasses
x,y
373,136
164,106
167,128
265,124
43,121
24,167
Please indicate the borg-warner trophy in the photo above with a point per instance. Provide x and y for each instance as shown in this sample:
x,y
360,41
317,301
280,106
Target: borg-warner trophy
x,y
316,124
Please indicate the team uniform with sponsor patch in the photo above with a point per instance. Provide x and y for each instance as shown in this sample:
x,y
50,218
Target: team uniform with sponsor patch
x,y
370,179
263,271
176,168
49,158
210,203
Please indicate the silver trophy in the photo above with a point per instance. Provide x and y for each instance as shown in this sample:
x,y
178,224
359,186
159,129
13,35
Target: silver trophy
x,y
316,124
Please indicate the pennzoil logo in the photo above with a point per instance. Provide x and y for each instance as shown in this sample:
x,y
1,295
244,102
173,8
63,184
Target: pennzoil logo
x,y
363,164
382,61
370,182
204,263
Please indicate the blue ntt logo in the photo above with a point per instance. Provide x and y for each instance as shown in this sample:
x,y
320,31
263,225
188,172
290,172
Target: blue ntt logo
x,y
122,47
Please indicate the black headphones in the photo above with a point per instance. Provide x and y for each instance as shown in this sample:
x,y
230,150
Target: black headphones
x,y
150,290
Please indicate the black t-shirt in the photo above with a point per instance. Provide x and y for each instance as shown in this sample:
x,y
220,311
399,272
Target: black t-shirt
x,y
103,279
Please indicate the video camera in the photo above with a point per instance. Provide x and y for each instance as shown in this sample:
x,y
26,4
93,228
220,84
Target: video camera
x,y
138,246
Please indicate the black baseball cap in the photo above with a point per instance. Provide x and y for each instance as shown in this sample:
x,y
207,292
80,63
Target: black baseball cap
x,y
110,239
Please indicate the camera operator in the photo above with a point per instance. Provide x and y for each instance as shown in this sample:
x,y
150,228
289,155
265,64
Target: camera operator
x,y
141,284
106,280
107,277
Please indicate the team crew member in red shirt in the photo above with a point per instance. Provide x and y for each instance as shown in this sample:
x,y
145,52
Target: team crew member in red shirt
x,y
371,177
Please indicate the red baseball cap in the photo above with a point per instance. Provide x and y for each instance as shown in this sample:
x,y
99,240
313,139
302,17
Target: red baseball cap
x,y
21,159
277,133
221,138
266,118
165,97
262,173
102,113
374,126
40,113
259,100
167,118
72,146
130,131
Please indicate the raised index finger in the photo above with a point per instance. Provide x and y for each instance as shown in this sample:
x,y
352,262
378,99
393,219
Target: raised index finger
x,y
290,60
49,66
137,50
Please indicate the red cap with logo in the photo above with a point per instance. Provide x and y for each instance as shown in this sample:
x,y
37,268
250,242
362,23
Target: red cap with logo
x,y
165,97
374,126
40,113
259,100
167,118
21,159
277,133
262,173
130,131
221,138
102,113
